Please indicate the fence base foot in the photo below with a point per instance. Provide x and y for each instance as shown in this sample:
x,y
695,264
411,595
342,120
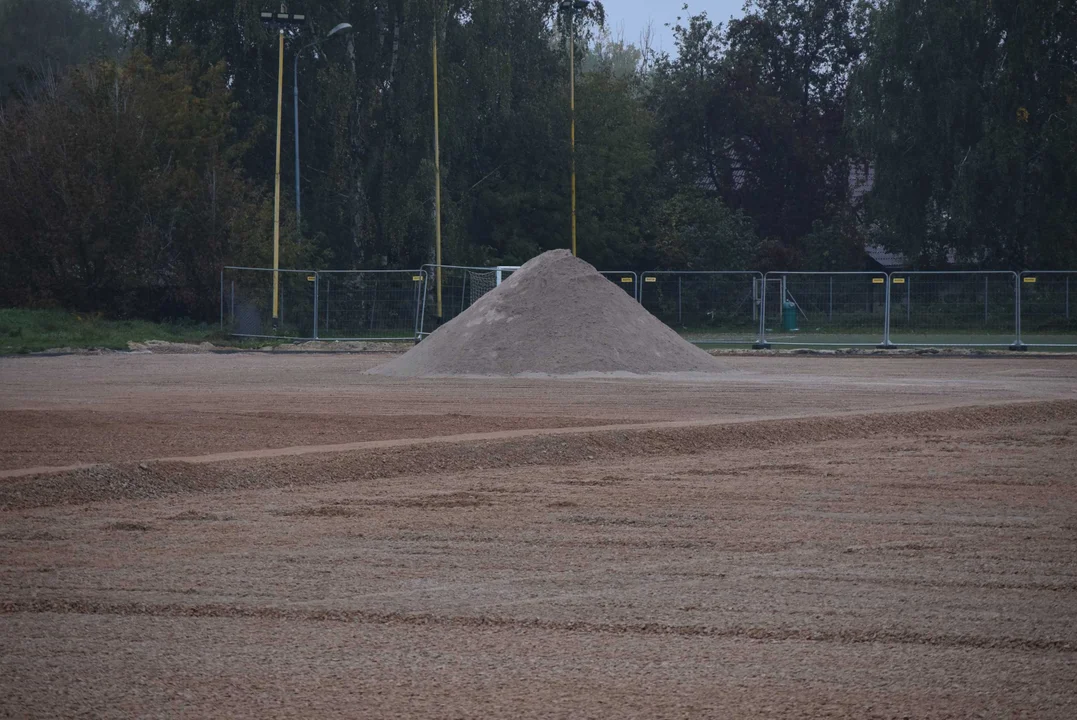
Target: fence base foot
x,y
761,345
1019,347
886,346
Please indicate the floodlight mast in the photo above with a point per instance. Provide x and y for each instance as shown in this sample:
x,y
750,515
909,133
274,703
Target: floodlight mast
x,y
280,21
570,8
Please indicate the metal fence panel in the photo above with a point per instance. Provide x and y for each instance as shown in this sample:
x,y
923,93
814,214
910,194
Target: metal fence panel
x,y
624,279
706,307
460,286
825,308
247,303
370,304
1048,308
952,308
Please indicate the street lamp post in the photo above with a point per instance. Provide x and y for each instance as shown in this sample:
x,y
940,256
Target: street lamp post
x,y
341,28
571,7
437,178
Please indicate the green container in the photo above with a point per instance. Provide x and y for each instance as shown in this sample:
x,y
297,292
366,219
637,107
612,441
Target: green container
x,y
789,316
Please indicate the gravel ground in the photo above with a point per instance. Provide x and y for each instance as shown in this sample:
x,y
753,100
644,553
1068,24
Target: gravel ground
x,y
803,537
120,408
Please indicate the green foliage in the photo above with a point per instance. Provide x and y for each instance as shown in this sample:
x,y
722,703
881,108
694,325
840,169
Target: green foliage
x,y
696,231
120,191
39,39
754,112
967,111
834,247
615,161
25,331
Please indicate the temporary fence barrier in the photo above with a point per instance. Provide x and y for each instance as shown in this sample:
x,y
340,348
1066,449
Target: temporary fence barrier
x,y
954,309
944,308
450,290
462,285
1048,300
706,307
370,304
247,303
624,279
824,308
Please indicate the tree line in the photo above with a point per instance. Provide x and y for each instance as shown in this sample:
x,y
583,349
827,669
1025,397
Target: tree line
x,y
137,140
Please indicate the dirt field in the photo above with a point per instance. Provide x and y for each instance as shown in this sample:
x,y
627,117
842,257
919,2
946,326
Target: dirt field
x,y
282,536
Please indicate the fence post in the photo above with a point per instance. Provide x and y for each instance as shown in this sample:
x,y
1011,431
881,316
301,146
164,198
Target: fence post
x,y
756,298
830,306
680,319
327,284
1018,343
762,344
1067,298
420,302
908,300
886,312
315,316
986,278
222,298
232,309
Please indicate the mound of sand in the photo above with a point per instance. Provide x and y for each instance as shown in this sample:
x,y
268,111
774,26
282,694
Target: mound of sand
x,y
556,315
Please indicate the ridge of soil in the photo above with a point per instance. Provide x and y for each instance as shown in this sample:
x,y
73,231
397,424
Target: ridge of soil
x,y
156,478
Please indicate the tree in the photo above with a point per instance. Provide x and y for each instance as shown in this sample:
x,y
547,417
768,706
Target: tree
x,y
120,191
39,39
754,112
968,112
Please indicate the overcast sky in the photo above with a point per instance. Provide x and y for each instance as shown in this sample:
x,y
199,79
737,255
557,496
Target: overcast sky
x,y
633,16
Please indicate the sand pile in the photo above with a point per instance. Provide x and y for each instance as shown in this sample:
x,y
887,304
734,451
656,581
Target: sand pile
x,y
556,315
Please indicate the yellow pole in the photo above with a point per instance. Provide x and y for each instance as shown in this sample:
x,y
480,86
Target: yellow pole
x,y
437,173
572,106
276,200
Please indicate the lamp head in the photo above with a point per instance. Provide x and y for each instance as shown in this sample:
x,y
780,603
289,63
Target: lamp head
x,y
342,27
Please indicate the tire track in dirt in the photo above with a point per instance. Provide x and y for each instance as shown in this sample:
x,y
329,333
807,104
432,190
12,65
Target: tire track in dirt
x,y
484,451
850,636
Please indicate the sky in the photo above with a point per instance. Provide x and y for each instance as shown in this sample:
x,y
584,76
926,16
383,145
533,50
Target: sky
x,y
633,15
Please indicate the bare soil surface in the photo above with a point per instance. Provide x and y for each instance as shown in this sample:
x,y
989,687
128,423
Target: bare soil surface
x,y
799,537
60,411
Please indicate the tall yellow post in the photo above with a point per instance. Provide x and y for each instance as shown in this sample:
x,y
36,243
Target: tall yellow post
x,y
276,200
572,112
437,173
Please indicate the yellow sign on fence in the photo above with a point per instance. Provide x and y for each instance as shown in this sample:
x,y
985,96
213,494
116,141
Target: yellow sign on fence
x,y
310,278
626,280
650,279
878,281
417,278
1030,279
899,281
